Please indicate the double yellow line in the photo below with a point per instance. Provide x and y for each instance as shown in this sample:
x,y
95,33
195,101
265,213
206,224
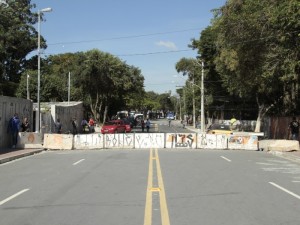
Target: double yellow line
x,y
165,220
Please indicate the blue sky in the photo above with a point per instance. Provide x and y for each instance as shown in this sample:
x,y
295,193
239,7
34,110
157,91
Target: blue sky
x,y
140,32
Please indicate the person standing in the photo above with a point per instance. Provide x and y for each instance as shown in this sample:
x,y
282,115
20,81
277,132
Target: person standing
x,y
148,125
74,126
91,125
25,125
143,125
13,128
84,123
294,128
58,126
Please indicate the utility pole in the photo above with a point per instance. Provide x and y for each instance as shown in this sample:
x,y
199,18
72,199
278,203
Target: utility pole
x,y
202,99
184,106
69,87
194,107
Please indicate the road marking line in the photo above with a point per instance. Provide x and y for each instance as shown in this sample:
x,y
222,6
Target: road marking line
x,y
285,190
226,158
74,164
13,196
148,206
296,181
165,219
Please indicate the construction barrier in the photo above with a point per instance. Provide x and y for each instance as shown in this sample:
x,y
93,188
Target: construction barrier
x,y
279,145
58,141
30,140
150,140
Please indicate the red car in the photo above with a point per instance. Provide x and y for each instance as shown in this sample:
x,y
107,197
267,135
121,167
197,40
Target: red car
x,y
127,125
113,126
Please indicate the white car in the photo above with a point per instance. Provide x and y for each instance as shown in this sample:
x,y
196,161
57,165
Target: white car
x,y
170,116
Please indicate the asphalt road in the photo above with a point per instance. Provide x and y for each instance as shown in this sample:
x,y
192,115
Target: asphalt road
x,y
159,187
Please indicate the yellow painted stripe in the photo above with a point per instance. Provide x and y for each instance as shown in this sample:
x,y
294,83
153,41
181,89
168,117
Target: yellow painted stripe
x,y
165,220
148,206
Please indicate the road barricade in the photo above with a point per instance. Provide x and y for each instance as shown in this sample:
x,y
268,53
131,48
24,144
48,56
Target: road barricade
x,y
30,140
58,141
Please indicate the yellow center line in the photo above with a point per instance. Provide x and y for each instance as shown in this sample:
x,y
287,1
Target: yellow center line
x,y
160,189
148,206
165,220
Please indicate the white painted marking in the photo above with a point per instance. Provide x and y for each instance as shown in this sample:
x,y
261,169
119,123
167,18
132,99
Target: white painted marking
x,y
285,190
74,164
226,158
13,196
296,181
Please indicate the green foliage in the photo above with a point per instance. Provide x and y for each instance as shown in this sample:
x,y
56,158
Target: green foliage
x,y
18,37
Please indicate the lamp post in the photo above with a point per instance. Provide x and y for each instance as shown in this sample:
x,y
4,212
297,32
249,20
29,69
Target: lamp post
x,y
202,98
27,86
38,114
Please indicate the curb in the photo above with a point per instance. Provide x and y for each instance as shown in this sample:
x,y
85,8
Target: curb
x,y
18,156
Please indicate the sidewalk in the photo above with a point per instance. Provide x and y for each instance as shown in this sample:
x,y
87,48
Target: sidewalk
x,y
7,155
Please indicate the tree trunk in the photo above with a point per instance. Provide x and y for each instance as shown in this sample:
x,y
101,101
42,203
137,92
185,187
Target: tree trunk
x,y
105,114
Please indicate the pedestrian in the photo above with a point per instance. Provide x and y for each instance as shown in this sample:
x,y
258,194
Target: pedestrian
x,y
143,125
169,122
58,126
74,126
13,129
84,124
183,123
294,128
91,125
148,125
25,126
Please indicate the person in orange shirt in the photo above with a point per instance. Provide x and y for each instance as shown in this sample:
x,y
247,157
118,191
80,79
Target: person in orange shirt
x,y
91,125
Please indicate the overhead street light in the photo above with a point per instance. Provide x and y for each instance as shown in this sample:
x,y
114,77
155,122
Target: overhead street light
x,y
38,114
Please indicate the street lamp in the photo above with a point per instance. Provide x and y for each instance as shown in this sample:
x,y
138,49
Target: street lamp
x,y
38,120
27,86
202,95
202,98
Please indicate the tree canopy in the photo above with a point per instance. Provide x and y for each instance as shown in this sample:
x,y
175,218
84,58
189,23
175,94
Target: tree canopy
x,y
252,47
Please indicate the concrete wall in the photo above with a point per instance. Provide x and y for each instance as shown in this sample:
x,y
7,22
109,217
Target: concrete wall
x,y
65,112
8,107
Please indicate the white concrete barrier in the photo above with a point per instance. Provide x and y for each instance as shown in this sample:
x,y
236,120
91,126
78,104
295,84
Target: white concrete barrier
x,y
58,141
152,140
181,140
278,145
212,141
89,141
243,142
119,140
30,140
149,140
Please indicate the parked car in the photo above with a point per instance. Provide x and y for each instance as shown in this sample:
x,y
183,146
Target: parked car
x,y
170,116
219,129
113,126
128,125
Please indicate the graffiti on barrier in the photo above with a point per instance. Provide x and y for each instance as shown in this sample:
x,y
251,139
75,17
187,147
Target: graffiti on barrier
x,y
212,141
178,140
119,140
88,141
243,142
151,140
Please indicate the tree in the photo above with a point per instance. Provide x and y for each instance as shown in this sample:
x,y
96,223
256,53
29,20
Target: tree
x,y
258,53
101,80
18,38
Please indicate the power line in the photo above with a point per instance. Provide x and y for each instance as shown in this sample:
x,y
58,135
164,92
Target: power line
x,y
125,37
